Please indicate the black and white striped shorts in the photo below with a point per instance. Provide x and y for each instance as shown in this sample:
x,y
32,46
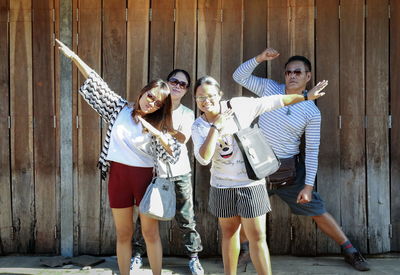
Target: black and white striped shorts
x,y
246,202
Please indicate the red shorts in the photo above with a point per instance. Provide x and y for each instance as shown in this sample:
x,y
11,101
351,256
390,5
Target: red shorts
x,y
127,184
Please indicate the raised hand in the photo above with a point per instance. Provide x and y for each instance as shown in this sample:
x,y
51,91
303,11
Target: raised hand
x,y
65,50
149,127
221,118
267,54
315,92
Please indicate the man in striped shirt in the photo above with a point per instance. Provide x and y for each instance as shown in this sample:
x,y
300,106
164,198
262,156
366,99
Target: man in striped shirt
x,y
283,129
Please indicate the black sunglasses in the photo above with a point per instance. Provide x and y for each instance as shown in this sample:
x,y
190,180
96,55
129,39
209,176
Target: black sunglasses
x,y
153,100
176,82
295,72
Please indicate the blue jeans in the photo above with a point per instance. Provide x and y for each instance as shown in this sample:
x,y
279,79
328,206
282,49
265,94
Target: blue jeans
x,y
184,217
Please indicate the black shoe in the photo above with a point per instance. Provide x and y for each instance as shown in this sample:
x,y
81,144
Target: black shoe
x,y
357,261
244,258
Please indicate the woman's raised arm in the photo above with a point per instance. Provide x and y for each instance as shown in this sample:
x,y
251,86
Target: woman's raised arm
x,y
82,66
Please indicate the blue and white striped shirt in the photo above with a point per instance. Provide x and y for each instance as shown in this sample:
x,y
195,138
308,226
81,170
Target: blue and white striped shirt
x,y
284,127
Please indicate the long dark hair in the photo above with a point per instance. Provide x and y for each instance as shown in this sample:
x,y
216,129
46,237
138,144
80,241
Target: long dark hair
x,y
161,119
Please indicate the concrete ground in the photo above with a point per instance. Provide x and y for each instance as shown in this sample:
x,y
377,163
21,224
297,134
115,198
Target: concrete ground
x,y
281,265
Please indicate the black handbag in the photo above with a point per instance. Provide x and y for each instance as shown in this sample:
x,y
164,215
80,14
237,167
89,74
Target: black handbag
x,y
259,158
286,174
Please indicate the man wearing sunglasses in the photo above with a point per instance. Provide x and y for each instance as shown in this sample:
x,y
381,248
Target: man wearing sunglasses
x,y
283,129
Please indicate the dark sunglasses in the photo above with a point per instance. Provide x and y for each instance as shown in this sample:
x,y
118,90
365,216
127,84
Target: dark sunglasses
x,y
295,72
153,99
176,82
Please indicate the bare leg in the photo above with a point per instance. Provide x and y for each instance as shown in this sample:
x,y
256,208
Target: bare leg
x,y
255,231
328,225
124,228
230,243
151,234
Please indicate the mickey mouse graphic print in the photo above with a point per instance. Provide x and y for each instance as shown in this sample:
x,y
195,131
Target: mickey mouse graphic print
x,y
228,169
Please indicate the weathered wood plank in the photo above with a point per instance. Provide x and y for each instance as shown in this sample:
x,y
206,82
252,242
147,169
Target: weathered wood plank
x,y
231,45
327,54
64,107
114,73
46,205
301,31
6,244
352,109
185,58
89,142
185,43
279,220
395,113
377,132
161,38
208,63
254,35
209,39
75,124
23,191
161,63
278,37
137,46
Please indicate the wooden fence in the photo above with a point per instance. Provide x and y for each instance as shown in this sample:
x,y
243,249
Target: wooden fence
x,y
51,194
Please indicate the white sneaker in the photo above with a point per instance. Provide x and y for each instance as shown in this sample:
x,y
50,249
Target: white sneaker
x,y
136,263
195,267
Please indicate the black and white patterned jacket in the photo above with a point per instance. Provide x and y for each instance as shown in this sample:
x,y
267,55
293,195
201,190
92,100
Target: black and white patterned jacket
x,y
108,105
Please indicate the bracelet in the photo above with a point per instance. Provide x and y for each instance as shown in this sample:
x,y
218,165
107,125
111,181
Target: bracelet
x,y
216,128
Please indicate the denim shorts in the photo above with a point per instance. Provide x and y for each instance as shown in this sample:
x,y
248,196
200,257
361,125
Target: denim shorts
x,y
289,194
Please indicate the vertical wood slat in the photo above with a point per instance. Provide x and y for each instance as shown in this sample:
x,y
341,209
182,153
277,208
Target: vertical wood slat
x,y
301,31
6,243
65,131
44,134
22,124
279,220
395,131
161,38
254,35
377,132
114,73
185,43
327,67
352,109
231,45
74,104
137,46
161,63
208,63
185,58
89,143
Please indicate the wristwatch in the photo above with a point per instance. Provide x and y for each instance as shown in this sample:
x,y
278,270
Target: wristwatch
x,y
216,128
305,96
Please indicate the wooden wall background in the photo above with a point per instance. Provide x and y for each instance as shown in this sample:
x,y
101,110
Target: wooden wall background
x,y
352,43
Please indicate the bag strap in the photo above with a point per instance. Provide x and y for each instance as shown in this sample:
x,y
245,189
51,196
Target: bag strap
x,y
155,168
228,103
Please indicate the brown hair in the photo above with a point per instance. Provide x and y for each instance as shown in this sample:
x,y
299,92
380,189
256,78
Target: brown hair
x,y
161,119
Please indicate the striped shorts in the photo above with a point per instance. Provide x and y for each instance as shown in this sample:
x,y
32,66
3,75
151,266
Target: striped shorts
x,y
246,202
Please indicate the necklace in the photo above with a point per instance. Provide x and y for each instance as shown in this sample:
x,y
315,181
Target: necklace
x,y
205,117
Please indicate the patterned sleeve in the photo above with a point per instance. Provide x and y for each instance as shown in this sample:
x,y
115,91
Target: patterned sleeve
x,y
312,136
162,154
99,96
258,85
